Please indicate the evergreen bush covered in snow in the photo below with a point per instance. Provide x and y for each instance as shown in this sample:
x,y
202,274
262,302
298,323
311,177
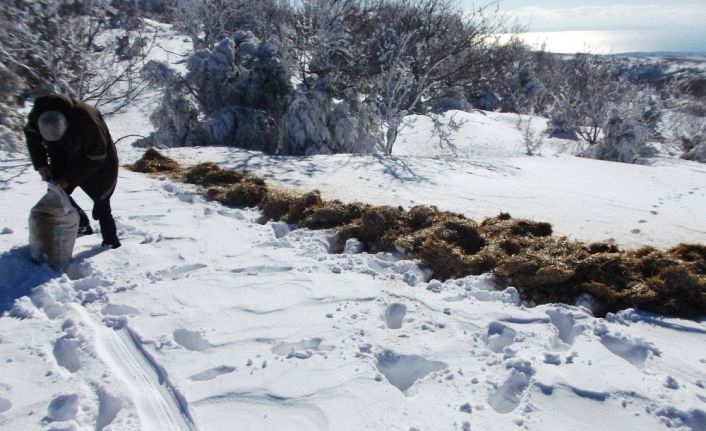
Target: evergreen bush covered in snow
x,y
318,124
624,140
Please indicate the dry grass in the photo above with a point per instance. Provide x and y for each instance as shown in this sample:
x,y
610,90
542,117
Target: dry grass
x,y
332,214
209,174
521,253
152,162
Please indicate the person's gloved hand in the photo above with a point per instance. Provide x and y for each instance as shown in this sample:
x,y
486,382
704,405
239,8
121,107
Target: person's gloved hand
x,y
45,173
61,182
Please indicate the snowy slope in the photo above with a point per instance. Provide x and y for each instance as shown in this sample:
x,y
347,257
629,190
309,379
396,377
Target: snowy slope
x,y
208,319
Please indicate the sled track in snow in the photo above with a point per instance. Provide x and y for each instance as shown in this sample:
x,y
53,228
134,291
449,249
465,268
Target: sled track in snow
x,y
158,404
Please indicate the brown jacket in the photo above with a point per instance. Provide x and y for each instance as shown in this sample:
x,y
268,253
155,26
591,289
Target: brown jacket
x,y
86,153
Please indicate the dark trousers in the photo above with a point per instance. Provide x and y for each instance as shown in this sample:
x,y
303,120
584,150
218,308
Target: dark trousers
x,y
99,188
101,211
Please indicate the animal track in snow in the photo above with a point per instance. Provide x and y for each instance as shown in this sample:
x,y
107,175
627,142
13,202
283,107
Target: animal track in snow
x,y
499,336
402,371
212,373
191,340
394,315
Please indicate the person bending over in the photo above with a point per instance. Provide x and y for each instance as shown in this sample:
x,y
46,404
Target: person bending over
x,y
69,143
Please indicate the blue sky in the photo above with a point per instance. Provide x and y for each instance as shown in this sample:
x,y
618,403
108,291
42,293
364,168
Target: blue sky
x,y
551,15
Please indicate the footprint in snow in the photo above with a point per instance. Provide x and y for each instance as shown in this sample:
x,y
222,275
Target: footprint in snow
x,y
119,310
177,271
499,336
62,408
108,408
402,371
635,351
508,396
212,373
565,323
65,352
394,315
5,405
78,270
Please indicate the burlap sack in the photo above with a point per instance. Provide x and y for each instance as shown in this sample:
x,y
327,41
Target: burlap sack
x,y
53,225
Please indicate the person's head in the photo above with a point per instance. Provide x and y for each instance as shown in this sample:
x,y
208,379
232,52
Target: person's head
x,y
52,125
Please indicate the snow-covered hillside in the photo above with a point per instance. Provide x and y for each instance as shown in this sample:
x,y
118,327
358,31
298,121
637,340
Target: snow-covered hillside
x,y
211,318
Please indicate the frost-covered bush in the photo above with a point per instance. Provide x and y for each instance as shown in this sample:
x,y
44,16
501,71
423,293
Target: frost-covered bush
x,y
242,71
624,140
644,72
560,125
697,151
10,140
242,127
10,88
232,95
68,47
318,124
454,99
523,89
240,94
687,133
176,121
483,96
158,74
208,22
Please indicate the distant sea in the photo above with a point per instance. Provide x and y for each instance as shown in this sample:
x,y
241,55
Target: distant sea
x,y
684,41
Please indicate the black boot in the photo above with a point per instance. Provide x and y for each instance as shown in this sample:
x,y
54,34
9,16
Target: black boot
x,y
84,224
109,232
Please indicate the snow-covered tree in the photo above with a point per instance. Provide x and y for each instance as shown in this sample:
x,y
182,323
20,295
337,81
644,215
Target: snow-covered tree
x,y
318,124
624,140
232,95
208,22
65,46
588,92
424,51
